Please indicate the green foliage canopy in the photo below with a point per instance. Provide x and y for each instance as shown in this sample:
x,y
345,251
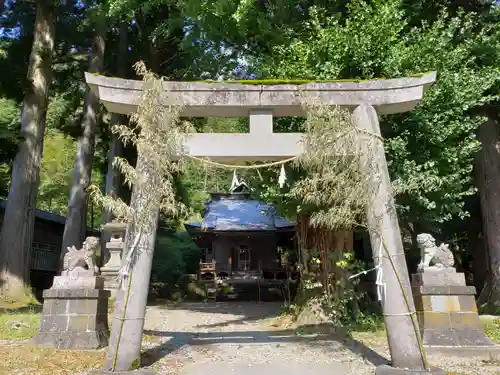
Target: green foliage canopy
x,y
430,149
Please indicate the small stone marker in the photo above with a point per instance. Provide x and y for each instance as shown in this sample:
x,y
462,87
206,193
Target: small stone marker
x,y
75,309
445,305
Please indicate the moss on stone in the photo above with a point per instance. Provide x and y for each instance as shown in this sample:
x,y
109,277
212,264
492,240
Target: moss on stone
x,y
135,364
271,82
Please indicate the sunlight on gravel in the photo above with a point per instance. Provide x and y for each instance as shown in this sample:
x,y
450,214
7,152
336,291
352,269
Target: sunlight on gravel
x,y
181,335
200,338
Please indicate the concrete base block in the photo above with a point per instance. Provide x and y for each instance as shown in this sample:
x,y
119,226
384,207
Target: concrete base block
x,y
77,281
442,277
111,283
486,353
389,370
447,314
74,319
456,337
72,340
141,371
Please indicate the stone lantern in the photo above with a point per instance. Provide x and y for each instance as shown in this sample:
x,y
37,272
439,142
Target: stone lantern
x,y
110,270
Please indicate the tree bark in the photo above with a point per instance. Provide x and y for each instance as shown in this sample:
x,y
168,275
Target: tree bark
x,y
112,175
302,237
476,243
17,227
76,219
154,55
115,145
488,173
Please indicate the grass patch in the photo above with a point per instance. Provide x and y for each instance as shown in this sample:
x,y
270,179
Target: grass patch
x,y
492,330
27,299
18,321
111,307
367,323
18,326
24,359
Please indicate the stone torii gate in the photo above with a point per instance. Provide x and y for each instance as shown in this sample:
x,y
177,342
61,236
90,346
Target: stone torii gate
x,y
366,100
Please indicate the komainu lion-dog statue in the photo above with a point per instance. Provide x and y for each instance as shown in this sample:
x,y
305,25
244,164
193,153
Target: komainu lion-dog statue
x,y
433,257
83,259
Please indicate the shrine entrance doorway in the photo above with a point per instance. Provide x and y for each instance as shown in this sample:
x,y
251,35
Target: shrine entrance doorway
x,y
244,260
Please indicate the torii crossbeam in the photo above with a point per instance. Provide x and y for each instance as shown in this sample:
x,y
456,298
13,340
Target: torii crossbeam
x,y
260,103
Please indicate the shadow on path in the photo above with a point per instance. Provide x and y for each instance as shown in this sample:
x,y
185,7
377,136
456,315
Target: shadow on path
x,y
250,310
180,339
247,311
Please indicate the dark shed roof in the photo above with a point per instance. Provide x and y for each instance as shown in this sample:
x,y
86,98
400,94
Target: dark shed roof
x,y
48,216
40,214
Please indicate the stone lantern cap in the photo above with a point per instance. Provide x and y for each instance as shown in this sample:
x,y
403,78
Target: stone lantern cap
x,y
115,226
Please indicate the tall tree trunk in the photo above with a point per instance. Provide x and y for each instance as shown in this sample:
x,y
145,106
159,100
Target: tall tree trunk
x,y
17,227
76,220
112,175
488,169
480,265
302,237
476,244
155,47
115,145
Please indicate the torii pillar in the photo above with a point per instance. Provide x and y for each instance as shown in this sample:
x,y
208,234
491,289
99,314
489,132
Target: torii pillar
x,y
366,100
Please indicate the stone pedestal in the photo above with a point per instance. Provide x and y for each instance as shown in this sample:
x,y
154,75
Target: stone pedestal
x,y
447,313
74,319
115,247
77,280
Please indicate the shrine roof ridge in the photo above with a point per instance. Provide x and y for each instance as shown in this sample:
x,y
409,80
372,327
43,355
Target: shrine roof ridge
x,y
223,99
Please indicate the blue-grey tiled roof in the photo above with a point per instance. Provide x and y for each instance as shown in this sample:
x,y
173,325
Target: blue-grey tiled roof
x,y
241,214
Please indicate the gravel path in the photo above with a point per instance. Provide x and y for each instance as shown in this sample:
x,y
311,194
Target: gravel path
x,y
201,338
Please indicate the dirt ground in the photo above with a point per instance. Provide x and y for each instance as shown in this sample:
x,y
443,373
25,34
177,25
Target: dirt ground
x,y
223,338
182,339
